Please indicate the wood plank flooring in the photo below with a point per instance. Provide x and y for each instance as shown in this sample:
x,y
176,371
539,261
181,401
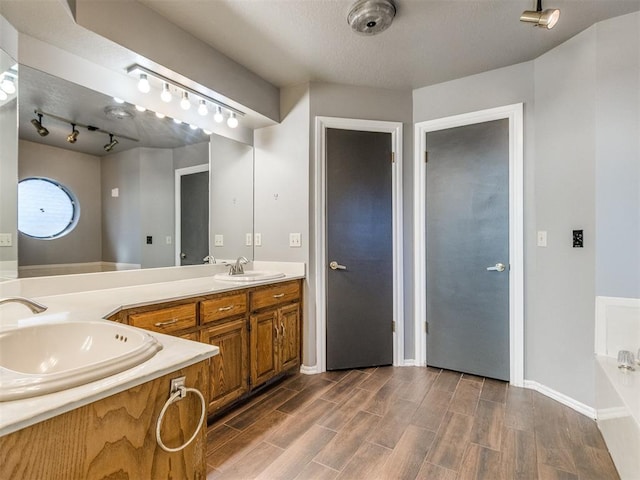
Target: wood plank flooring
x,y
403,424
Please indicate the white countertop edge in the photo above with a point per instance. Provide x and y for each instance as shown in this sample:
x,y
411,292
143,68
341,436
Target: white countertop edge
x,y
626,384
18,414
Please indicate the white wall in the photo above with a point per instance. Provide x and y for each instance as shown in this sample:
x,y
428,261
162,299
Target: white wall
x,y
81,174
618,157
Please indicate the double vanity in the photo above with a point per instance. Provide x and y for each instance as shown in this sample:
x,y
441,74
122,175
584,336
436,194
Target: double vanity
x,y
226,336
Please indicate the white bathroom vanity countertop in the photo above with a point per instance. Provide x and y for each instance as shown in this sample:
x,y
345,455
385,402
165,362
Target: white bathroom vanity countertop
x,y
68,299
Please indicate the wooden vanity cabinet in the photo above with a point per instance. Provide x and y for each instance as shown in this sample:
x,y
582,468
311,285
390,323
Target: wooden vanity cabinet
x,y
257,330
275,330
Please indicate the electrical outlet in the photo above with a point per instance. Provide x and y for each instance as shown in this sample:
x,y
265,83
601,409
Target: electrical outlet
x,y
248,239
295,240
115,192
6,240
257,239
542,238
218,240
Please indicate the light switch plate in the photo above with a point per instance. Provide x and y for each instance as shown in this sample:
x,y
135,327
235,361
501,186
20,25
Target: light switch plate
x,y
6,240
218,240
115,192
295,240
247,239
168,239
542,238
257,239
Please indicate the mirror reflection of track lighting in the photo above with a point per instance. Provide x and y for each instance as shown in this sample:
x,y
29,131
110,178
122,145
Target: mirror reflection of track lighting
x,y
42,131
541,18
7,84
73,136
112,143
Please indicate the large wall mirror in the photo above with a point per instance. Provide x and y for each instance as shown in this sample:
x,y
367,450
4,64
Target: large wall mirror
x,y
112,186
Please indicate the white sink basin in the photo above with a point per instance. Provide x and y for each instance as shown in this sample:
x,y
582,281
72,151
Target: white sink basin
x,y
47,358
249,276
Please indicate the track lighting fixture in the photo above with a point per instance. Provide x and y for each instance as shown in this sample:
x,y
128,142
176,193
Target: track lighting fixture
x,y
140,108
118,100
112,143
185,104
3,95
73,136
143,83
218,117
202,108
160,115
232,121
166,93
42,131
541,18
7,84
171,87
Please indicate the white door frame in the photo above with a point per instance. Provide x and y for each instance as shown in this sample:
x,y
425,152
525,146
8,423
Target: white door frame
x,y
178,207
516,229
395,129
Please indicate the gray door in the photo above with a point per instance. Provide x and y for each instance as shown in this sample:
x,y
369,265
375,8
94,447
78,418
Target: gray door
x,y
194,218
359,238
467,236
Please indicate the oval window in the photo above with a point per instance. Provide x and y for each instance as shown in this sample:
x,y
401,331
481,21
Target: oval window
x,y
46,208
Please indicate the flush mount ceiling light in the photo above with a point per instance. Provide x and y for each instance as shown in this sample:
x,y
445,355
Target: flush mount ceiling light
x,y
541,18
171,87
370,17
112,143
73,136
42,131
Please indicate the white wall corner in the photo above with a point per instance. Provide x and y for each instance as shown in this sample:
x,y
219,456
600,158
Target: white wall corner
x,y
562,398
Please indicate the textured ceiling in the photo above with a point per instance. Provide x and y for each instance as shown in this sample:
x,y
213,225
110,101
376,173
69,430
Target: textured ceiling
x,y
295,41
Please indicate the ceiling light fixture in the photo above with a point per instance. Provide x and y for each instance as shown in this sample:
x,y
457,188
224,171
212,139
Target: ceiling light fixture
x,y
232,121
140,108
118,100
175,120
202,108
218,117
185,104
166,93
160,115
193,127
73,136
112,143
42,131
541,18
7,84
203,100
3,95
143,83
370,17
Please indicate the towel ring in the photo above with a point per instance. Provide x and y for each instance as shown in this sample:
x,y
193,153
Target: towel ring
x,y
178,394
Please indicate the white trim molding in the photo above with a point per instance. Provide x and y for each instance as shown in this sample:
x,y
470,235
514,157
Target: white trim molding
x,y
309,369
179,172
395,129
516,228
562,398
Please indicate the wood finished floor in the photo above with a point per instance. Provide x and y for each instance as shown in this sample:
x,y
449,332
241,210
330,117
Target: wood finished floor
x,y
404,423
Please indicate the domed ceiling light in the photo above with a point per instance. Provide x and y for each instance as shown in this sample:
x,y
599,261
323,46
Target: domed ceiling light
x,y
370,17
541,18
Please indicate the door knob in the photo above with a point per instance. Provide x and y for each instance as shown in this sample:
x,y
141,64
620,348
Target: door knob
x,y
336,266
498,267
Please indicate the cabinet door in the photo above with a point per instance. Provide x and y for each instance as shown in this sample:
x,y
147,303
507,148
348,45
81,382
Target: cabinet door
x,y
263,346
228,375
289,352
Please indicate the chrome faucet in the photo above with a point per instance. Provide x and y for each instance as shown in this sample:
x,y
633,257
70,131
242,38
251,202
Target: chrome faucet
x,y
210,259
32,305
238,267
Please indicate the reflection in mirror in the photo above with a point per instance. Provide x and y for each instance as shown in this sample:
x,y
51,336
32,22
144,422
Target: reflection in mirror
x,y
130,192
8,166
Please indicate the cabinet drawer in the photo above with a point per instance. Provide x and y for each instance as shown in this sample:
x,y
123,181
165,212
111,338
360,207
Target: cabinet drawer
x,y
281,293
166,320
222,307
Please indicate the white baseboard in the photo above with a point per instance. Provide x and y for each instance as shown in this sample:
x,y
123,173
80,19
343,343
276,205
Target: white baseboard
x,y
410,362
309,370
562,398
